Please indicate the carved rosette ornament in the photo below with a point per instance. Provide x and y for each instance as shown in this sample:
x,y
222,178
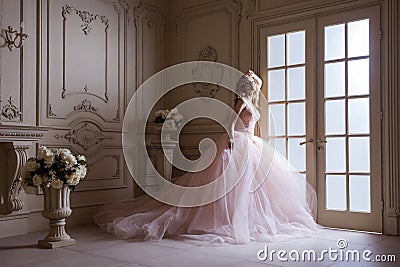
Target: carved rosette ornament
x,y
205,72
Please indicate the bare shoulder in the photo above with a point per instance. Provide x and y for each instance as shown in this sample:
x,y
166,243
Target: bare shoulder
x,y
238,105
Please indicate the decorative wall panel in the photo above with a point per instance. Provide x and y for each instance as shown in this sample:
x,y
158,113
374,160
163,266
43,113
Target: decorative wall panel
x,y
82,84
82,61
17,83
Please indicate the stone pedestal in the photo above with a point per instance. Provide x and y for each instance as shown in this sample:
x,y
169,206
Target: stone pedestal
x,y
56,209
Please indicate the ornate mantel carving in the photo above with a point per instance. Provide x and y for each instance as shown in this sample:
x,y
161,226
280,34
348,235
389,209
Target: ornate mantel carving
x,y
14,140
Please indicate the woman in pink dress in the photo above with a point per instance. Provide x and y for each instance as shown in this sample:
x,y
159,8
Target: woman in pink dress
x,y
269,202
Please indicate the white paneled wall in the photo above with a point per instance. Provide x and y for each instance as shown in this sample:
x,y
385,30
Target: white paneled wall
x,y
84,60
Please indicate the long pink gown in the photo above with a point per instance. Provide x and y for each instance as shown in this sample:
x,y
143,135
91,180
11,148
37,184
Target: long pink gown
x,y
279,207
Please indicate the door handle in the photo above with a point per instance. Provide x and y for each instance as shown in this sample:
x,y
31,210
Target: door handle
x,y
318,141
305,142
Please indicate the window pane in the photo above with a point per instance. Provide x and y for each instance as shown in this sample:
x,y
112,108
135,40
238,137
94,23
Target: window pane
x,y
276,85
296,119
336,192
334,79
358,77
297,153
359,154
296,83
280,145
334,42
336,154
296,48
334,117
360,193
359,115
358,38
276,51
277,120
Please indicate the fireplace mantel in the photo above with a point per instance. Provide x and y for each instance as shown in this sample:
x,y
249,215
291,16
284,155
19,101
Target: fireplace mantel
x,y
14,141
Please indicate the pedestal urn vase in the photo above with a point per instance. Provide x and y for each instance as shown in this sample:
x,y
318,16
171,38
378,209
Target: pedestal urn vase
x,y
56,209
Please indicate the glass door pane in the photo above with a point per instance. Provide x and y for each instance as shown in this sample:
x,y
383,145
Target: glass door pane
x,y
347,109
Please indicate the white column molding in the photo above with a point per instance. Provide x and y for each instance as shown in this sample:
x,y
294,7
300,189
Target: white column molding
x,y
391,156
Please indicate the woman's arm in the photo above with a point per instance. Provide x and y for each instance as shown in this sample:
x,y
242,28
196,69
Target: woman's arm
x,y
238,108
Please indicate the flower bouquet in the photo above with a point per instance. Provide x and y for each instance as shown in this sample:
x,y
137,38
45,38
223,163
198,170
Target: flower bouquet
x,y
57,172
53,168
171,118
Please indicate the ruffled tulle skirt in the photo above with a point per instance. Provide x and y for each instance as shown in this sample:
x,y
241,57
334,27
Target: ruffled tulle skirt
x,y
269,201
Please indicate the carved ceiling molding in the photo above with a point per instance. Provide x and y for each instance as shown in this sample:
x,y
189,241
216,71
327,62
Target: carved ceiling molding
x,y
10,111
208,72
148,14
251,8
86,135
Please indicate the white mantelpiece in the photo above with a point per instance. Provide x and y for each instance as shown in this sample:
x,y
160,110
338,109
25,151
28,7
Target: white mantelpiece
x,y
14,141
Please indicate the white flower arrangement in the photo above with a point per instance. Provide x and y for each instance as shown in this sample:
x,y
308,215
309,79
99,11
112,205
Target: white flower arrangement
x,y
171,118
53,167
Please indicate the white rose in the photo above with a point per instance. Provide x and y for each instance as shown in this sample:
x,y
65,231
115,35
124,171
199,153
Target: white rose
x,y
73,179
170,125
46,154
164,113
41,152
57,183
81,157
158,113
82,171
37,180
30,190
31,165
64,151
67,156
174,111
177,117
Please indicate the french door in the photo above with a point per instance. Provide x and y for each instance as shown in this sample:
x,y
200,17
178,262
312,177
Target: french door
x,y
322,82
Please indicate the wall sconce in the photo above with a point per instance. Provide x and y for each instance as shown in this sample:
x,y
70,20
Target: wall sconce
x,y
15,39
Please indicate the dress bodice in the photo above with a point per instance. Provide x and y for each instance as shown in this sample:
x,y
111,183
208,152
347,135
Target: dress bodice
x,y
247,121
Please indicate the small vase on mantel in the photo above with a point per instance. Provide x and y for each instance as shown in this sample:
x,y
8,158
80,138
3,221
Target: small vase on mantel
x,y
56,209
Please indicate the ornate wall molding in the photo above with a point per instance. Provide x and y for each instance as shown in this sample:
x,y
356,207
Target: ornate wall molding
x,y
232,7
148,18
87,19
215,74
10,111
86,106
87,136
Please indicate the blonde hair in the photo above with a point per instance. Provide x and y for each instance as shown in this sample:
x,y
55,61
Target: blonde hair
x,y
256,84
